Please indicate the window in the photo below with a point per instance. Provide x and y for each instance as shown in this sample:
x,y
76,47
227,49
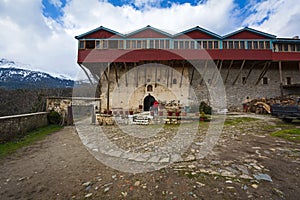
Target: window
x,y
261,45
104,42
286,47
98,44
156,44
236,44
113,44
204,44
216,44
181,44
187,44
90,44
133,44
242,45
210,44
288,80
224,45
267,45
174,81
127,44
243,80
199,45
149,88
175,44
249,43
230,44
162,44
279,47
192,46
144,44
151,44
293,48
298,47
255,45
81,44
139,44
121,44
167,44
265,80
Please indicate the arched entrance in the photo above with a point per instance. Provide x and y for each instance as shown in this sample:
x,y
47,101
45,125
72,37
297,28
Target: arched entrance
x,y
148,102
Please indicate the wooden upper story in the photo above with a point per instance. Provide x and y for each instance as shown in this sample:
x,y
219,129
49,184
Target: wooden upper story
x,y
150,43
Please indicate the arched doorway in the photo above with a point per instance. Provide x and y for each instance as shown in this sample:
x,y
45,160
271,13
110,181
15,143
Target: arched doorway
x,y
148,102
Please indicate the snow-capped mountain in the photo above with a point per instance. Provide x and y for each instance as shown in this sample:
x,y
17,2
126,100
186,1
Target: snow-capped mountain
x,y
15,76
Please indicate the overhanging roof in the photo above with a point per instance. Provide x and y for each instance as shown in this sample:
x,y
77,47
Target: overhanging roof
x,y
96,30
197,28
250,30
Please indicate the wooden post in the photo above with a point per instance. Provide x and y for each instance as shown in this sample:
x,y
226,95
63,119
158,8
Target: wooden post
x,y
218,75
171,82
280,77
126,78
108,84
145,73
280,72
116,73
155,74
168,75
137,74
227,75
191,82
239,73
83,68
182,74
214,72
204,72
249,72
263,71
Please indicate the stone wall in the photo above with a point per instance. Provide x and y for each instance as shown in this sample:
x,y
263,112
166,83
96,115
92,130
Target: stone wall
x,y
16,126
262,81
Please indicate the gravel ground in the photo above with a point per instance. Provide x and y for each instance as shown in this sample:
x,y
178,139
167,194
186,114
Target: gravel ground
x,y
245,163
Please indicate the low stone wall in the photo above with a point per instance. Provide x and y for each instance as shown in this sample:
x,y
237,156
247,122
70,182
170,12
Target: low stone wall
x,y
16,126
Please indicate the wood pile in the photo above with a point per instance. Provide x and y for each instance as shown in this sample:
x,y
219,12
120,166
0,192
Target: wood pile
x,y
263,105
173,106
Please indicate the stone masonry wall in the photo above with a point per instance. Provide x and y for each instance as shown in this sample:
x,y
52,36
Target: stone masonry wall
x,y
16,126
162,77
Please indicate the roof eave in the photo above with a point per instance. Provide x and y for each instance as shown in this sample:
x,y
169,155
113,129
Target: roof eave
x,y
251,30
98,29
199,29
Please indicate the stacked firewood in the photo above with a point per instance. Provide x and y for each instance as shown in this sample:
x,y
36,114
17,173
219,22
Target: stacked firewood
x,y
173,106
263,105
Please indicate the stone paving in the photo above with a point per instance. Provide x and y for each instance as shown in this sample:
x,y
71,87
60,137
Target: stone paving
x,y
151,147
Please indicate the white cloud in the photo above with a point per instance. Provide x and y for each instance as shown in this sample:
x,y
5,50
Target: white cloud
x,y
29,37
146,3
56,3
281,17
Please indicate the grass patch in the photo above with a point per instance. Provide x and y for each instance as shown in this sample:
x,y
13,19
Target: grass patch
x,y
238,120
30,138
288,134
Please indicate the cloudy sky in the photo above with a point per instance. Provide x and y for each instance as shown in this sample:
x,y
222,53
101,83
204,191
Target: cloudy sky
x,y
41,32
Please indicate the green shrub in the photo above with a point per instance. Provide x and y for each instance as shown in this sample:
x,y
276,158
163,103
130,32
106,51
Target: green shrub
x,y
54,117
205,108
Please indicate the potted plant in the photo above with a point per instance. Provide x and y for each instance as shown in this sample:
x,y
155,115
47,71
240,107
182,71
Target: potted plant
x,y
130,111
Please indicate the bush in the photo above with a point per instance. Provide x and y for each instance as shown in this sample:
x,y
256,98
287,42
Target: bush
x,y
54,117
205,108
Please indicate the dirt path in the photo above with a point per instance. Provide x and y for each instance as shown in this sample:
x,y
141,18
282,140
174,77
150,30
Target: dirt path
x,y
60,167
